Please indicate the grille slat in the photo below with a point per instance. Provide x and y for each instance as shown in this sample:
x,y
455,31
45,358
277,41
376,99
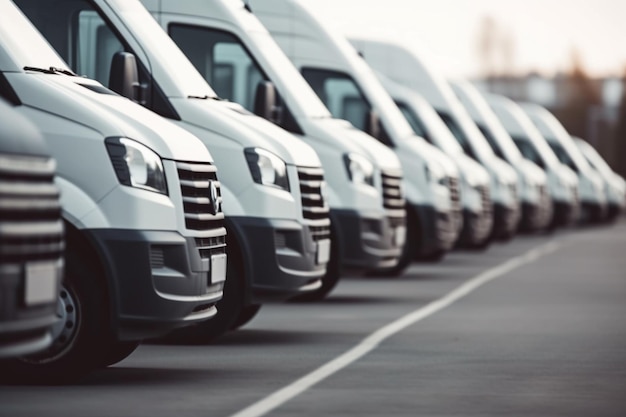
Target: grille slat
x,y
315,210
455,195
30,212
198,182
486,197
393,197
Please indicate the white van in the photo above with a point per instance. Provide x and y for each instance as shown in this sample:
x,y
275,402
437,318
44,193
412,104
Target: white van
x,y
350,90
532,182
139,260
474,187
31,234
614,185
591,188
272,182
405,67
237,56
562,181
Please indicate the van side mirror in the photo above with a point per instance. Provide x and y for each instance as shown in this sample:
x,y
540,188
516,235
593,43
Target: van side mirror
x,y
266,102
124,77
372,124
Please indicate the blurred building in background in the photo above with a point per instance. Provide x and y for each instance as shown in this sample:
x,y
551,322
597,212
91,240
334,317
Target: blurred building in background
x,y
591,108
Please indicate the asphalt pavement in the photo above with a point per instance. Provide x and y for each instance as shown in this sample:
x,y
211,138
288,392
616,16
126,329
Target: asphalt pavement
x,y
532,327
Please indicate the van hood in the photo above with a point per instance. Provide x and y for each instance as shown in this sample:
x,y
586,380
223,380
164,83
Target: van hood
x,y
567,175
473,172
532,173
342,133
237,124
88,102
429,152
502,170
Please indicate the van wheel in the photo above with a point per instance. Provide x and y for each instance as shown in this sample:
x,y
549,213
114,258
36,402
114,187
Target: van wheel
x,y
246,314
81,337
118,352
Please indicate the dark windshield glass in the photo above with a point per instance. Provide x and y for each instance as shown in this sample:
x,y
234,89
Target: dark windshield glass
x,y
491,140
529,151
414,121
562,154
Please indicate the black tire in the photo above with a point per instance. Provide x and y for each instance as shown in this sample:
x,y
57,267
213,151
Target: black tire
x,y
229,307
330,278
119,351
247,313
81,338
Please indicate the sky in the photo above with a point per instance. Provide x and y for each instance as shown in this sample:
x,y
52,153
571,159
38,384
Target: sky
x,y
542,33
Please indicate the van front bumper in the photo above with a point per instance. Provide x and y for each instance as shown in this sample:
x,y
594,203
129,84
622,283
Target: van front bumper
x,y
505,220
565,213
535,216
476,227
437,230
368,242
282,257
160,280
25,327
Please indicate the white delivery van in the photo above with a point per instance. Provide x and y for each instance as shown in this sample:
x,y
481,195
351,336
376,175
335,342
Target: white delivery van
x,y
237,56
350,90
591,188
614,186
531,180
562,181
31,234
139,260
474,179
407,68
272,182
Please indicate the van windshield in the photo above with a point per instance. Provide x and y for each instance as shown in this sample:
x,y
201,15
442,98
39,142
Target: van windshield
x,y
423,117
227,65
16,32
529,151
81,34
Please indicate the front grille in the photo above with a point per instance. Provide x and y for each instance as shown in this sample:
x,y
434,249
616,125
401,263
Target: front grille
x,y
485,197
315,209
208,246
513,188
202,196
393,197
30,212
455,196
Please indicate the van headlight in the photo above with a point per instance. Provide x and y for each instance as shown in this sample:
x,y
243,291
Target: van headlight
x,y
435,174
136,165
360,169
267,168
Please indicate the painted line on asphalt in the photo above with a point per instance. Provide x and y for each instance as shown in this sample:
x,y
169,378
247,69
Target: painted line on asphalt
x,y
372,341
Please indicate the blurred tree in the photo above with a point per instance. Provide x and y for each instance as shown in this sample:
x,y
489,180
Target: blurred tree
x,y
620,132
580,98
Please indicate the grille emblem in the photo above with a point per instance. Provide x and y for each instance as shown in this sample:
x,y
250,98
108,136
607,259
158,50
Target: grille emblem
x,y
216,200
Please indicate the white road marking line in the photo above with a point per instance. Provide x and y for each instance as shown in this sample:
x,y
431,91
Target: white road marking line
x,y
372,341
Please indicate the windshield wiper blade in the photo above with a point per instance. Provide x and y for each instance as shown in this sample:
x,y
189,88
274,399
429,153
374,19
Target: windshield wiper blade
x,y
51,70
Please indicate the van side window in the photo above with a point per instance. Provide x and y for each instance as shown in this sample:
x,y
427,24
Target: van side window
x,y
340,94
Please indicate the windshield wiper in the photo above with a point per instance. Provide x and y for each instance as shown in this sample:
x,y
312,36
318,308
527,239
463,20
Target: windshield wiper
x,y
51,70
207,97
